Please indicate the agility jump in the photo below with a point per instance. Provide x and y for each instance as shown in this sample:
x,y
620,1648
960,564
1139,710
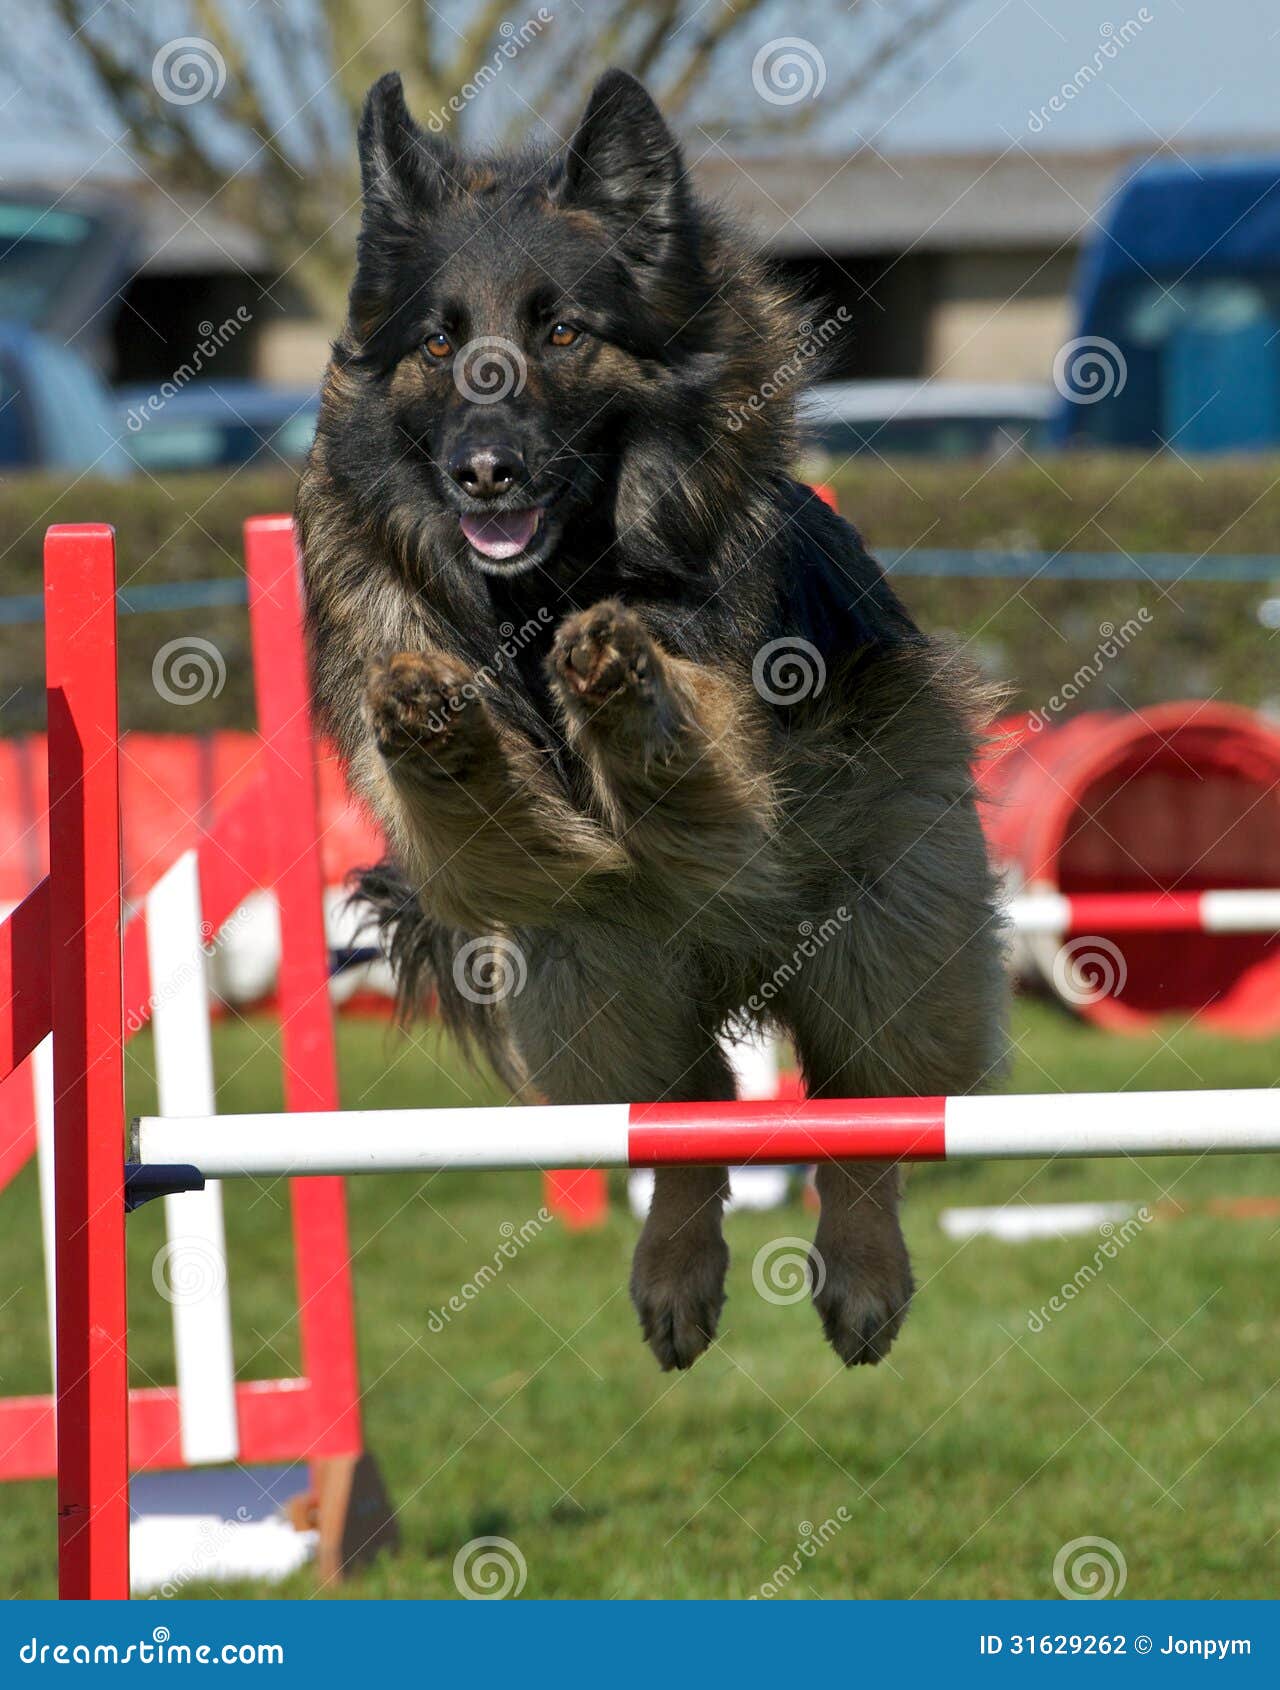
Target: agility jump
x,y
61,971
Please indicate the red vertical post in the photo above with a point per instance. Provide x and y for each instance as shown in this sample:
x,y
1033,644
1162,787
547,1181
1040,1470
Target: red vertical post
x,y
321,1245
88,1061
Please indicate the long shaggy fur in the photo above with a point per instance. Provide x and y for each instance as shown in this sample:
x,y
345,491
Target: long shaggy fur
x,y
596,751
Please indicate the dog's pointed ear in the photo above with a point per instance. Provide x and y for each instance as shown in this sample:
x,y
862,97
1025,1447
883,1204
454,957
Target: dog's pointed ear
x,y
623,160
400,163
405,174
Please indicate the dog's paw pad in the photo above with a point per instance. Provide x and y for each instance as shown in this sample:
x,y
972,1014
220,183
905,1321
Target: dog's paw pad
x,y
419,701
602,651
862,1309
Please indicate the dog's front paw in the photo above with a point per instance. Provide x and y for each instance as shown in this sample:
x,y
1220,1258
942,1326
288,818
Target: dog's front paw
x,y
677,1286
423,705
862,1285
604,657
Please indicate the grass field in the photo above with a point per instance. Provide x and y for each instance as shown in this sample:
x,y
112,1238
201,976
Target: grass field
x,y
1144,1413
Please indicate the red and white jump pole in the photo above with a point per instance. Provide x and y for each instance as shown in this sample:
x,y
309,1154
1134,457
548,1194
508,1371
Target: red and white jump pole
x,y
644,1135
1230,911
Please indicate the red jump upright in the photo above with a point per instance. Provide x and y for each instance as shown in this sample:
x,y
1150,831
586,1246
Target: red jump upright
x,y
86,1004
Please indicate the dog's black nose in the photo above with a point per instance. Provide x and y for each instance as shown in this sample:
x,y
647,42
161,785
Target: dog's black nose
x,y
486,472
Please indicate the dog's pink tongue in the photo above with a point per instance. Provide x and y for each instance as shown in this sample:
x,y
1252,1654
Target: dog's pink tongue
x,y
501,535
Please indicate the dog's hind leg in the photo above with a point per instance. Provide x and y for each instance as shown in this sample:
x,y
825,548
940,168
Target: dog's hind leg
x,y
477,822
882,1011
673,748
606,1018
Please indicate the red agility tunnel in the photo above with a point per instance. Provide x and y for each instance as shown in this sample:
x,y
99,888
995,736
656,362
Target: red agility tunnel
x,y
1178,798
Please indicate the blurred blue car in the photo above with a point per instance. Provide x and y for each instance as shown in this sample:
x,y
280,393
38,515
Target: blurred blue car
x,y
56,412
215,425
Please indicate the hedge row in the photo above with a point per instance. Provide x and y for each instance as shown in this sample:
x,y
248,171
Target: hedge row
x,y
1184,640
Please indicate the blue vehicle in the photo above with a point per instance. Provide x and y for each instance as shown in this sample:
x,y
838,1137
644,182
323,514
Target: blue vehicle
x,y
1179,327
56,412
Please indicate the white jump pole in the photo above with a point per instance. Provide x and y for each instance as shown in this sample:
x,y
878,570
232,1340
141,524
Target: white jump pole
x,y
194,1274
620,1135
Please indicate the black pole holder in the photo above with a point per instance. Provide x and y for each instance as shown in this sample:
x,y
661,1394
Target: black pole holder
x,y
145,1180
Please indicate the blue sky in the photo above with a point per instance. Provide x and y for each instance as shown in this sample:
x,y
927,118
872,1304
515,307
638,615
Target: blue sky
x,y
1200,69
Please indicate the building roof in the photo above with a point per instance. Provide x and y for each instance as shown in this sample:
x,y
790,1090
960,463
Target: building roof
x,y
923,201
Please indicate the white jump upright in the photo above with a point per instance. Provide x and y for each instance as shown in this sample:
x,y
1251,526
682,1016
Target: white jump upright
x,y
193,1274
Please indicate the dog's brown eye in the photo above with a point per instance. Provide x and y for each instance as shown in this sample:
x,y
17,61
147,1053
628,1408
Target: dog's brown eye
x,y
563,334
439,345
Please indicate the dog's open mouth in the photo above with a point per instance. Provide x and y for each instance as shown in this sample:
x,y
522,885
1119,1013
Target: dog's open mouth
x,y
504,534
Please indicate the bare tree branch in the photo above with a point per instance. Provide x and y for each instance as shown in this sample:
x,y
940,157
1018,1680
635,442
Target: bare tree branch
x,y
273,150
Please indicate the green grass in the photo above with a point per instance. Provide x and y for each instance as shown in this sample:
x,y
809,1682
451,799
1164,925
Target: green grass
x,y
1145,1413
